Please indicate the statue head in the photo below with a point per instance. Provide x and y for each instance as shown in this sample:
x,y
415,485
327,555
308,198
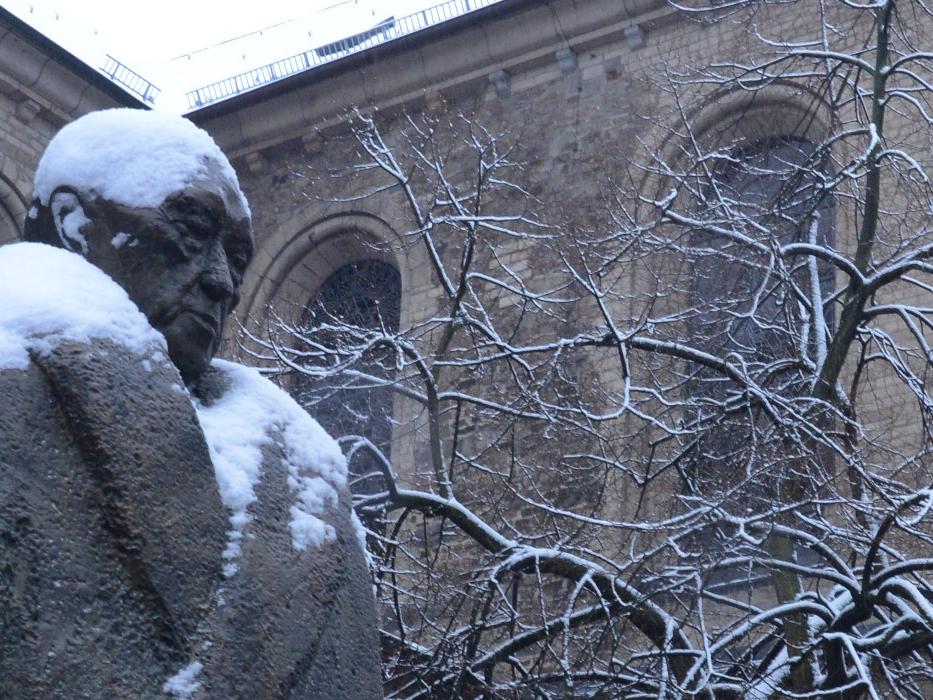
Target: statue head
x,y
151,200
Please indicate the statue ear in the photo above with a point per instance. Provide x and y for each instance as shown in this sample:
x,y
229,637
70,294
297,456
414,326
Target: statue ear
x,y
69,218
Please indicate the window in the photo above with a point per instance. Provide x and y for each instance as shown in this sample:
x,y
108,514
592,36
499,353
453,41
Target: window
x,y
754,306
359,296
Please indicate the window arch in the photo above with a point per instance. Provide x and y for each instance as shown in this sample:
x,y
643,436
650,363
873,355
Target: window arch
x,y
292,262
365,293
764,195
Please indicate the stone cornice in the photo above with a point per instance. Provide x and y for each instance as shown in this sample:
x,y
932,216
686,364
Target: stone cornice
x,y
496,40
47,79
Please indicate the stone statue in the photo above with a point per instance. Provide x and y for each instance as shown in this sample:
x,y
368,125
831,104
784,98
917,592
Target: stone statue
x,y
170,525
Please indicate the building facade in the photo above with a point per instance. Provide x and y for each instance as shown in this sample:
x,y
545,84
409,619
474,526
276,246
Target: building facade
x,y
643,130
649,173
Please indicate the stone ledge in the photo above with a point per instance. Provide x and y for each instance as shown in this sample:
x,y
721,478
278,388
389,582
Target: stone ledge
x,y
520,34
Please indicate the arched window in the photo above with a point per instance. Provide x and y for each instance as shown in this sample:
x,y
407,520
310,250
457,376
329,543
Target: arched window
x,y
358,297
365,293
769,312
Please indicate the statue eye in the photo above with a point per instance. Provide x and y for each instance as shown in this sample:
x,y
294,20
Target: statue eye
x,y
192,227
239,260
191,235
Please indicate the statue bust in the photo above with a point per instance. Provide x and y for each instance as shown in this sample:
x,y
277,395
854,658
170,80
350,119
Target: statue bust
x,y
172,525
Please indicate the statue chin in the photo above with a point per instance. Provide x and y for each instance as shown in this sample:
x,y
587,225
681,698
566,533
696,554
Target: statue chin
x,y
191,344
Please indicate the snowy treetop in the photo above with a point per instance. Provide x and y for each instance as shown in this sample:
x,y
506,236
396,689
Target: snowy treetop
x,y
130,156
51,295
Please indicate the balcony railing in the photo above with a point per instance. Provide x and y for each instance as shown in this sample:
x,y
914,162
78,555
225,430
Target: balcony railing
x,y
130,79
385,31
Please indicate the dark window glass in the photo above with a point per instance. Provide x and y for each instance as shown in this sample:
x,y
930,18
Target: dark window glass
x,y
358,297
752,305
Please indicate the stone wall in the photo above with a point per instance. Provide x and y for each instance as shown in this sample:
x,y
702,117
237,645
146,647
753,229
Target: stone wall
x,y
579,86
583,88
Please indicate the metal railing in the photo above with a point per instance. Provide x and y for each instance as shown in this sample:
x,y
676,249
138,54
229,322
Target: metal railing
x,y
385,31
130,79
385,28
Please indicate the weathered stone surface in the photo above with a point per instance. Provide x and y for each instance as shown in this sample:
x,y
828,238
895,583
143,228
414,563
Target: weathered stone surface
x,y
112,532
299,622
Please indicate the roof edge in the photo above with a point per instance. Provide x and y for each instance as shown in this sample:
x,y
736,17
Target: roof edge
x,y
68,61
375,54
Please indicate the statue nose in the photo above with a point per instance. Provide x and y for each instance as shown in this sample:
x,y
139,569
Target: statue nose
x,y
216,278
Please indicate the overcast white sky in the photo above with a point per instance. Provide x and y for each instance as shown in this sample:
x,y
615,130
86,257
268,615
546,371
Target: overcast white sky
x,y
181,45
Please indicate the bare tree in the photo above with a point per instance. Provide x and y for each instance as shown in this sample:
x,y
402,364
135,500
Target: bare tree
x,y
660,466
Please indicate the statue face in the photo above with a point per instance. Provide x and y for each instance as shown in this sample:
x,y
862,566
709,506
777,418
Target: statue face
x,y
181,263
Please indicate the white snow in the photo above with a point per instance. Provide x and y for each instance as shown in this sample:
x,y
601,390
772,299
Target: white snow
x,y
68,209
253,412
120,240
770,683
308,529
184,684
51,295
360,532
131,156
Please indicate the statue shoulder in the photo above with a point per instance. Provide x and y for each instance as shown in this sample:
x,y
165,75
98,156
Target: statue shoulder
x,y
292,538
252,426
237,402
108,496
31,425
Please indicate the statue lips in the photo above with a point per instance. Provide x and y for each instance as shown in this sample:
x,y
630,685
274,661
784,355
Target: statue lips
x,y
205,320
192,336
195,329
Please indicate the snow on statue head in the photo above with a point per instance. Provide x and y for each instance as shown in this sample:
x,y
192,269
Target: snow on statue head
x,y
151,200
